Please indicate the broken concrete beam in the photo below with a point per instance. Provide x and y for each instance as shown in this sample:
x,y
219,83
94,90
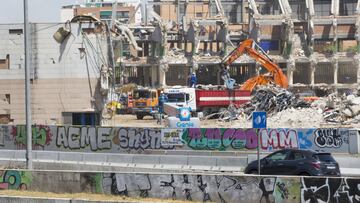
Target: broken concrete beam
x,y
351,111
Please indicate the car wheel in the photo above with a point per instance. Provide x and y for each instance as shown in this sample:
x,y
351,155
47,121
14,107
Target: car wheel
x,y
304,174
254,172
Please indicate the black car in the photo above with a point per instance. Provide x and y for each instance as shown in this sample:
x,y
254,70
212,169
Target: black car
x,y
296,162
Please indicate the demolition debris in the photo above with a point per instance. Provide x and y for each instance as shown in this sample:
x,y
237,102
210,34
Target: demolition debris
x,y
286,109
273,99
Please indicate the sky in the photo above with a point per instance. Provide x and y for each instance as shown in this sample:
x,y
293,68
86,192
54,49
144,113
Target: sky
x,y
11,11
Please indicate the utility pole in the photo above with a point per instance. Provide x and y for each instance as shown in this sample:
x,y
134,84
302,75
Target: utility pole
x,y
27,88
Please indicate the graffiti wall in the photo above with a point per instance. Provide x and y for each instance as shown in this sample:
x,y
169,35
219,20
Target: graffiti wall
x,y
116,139
196,187
203,188
15,180
345,190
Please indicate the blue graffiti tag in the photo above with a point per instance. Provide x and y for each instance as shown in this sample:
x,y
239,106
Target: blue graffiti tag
x,y
304,141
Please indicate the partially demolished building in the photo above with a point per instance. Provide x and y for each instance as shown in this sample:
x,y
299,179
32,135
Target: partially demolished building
x,y
314,41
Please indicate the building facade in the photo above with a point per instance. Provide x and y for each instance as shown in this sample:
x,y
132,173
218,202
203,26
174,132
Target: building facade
x,y
65,76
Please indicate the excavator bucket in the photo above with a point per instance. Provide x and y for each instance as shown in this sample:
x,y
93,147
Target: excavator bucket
x,y
251,83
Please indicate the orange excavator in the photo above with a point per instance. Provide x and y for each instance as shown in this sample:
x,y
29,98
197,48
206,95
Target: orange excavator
x,y
249,47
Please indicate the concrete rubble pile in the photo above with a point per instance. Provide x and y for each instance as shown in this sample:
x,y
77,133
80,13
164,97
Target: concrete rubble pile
x,y
272,99
344,109
296,118
175,52
285,109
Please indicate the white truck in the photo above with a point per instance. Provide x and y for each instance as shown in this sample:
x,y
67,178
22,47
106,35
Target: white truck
x,y
202,100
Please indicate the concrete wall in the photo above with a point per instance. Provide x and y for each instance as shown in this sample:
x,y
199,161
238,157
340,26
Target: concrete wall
x,y
118,139
196,187
64,78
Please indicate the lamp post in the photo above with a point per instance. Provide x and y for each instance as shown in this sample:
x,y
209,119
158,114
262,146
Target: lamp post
x,y
27,89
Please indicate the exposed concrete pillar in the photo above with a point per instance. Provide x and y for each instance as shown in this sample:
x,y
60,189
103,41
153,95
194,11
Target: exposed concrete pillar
x,y
335,39
193,48
357,64
253,7
143,11
310,7
163,68
153,49
335,7
289,37
257,68
357,31
357,37
310,33
290,71
311,36
335,64
258,32
146,73
313,64
154,75
162,77
177,2
222,36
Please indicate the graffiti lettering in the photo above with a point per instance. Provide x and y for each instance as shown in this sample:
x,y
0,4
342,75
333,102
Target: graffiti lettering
x,y
328,138
131,138
330,190
278,139
115,139
139,183
41,136
220,139
14,180
81,137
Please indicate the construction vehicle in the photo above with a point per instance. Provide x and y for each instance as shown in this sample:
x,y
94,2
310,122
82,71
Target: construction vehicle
x,y
252,49
203,100
144,102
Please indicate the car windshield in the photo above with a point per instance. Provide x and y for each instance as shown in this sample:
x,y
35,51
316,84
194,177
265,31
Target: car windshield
x,y
278,156
326,157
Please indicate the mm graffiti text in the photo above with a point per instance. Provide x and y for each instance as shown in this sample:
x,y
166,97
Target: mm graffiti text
x,y
278,138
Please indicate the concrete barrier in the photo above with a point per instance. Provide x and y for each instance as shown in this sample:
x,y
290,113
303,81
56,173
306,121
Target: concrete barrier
x,y
349,164
198,187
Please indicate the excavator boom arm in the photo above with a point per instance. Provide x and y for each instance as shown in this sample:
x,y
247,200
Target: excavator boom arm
x,y
247,46
273,68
